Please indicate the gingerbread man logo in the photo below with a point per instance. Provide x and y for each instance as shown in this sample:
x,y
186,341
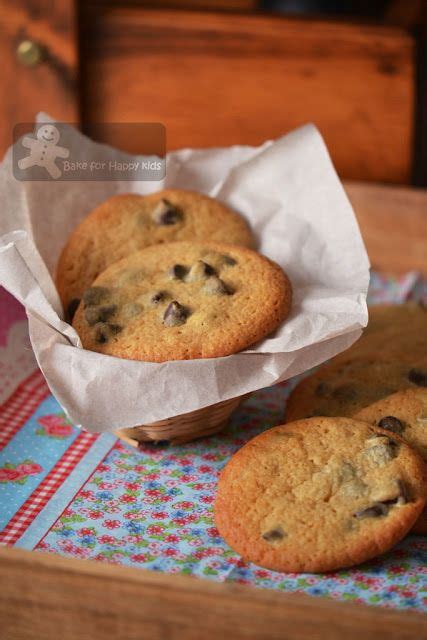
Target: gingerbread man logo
x,y
44,150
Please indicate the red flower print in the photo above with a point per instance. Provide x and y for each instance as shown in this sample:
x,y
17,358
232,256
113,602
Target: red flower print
x,y
155,529
139,468
170,552
260,573
94,515
85,532
138,557
161,515
56,426
103,467
128,498
205,469
111,524
165,499
199,486
207,499
209,456
213,532
28,469
184,505
132,486
106,539
151,476
172,538
152,492
9,475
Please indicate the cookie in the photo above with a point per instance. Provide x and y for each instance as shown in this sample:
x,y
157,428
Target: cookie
x,y
181,301
319,494
403,413
344,387
130,222
420,527
393,330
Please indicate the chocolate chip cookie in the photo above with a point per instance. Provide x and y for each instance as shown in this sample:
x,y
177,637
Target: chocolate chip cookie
x,y
181,301
393,330
319,494
403,413
345,386
130,222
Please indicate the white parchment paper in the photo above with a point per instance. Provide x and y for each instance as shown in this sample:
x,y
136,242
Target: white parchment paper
x,y
290,194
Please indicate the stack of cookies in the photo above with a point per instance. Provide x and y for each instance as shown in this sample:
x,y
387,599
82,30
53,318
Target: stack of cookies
x,y
345,478
169,276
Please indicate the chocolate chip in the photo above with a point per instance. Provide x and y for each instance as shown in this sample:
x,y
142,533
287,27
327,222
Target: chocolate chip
x,y
418,377
157,297
95,314
95,295
322,389
229,261
345,393
72,308
200,271
166,213
104,330
178,271
376,510
217,287
114,328
101,333
175,314
273,535
390,423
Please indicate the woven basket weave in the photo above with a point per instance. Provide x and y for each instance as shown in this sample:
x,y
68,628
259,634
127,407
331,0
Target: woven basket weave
x,y
183,428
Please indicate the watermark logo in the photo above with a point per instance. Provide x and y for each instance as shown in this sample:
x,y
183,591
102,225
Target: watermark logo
x,y
58,151
44,150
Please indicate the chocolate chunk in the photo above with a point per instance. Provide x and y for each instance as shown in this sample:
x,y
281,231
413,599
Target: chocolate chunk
x,y
376,510
273,535
217,287
229,261
101,333
158,297
418,377
71,309
404,496
175,314
322,389
392,424
104,330
345,393
178,271
200,271
166,213
114,328
95,295
95,314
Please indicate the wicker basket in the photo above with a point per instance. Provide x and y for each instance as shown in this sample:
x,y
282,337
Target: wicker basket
x,y
185,427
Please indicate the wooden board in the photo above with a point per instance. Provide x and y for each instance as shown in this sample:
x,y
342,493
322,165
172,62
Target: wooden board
x,y
217,79
46,597
393,222
51,85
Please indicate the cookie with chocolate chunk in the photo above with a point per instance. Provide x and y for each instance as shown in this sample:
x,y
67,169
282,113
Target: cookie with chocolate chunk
x,y
403,413
319,494
129,222
344,387
181,301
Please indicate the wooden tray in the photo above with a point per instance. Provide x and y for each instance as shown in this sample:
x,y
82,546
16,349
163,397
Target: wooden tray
x,y
46,597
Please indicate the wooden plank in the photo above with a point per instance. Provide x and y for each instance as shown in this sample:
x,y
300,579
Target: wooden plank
x,y
217,79
393,222
48,86
46,596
